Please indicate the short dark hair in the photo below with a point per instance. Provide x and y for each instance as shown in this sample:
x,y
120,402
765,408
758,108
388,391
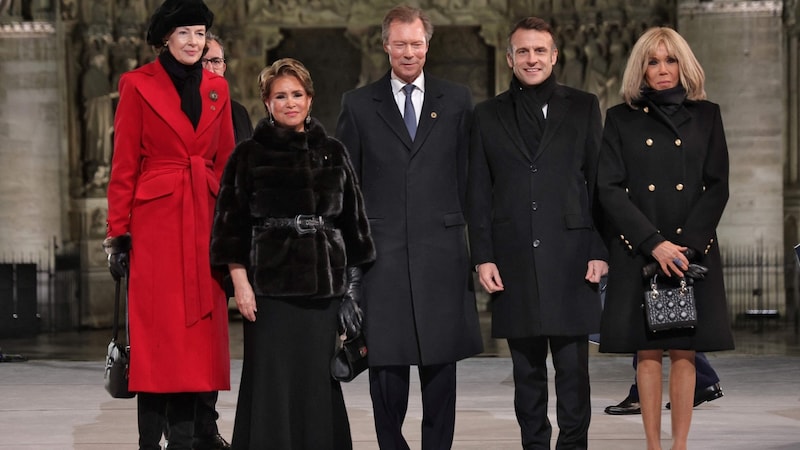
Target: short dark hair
x,y
530,23
406,14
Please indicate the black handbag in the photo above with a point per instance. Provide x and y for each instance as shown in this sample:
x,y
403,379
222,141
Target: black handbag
x,y
669,308
117,358
349,358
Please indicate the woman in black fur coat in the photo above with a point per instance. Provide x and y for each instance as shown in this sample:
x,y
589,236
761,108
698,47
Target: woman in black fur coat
x,y
290,225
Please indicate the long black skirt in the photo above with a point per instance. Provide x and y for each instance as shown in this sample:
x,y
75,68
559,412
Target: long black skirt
x,y
287,398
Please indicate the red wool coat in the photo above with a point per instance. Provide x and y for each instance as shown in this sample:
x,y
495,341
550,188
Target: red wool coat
x,y
164,182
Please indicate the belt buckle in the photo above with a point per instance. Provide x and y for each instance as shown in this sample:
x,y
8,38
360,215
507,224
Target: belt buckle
x,y
304,224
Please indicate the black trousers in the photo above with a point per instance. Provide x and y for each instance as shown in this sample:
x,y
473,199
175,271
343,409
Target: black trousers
x,y
174,410
388,387
570,356
206,415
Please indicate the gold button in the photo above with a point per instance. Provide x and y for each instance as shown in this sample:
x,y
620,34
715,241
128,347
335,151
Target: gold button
x,y
679,231
630,247
679,186
711,241
677,142
649,142
651,188
646,109
622,236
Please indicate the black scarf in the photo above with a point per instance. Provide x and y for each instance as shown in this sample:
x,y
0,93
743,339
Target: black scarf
x,y
667,100
528,104
187,81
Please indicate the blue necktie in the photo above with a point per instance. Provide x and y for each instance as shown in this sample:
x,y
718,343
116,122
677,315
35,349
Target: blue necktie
x,y
409,116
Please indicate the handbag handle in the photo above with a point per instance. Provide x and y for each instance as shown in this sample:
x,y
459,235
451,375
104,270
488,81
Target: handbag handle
x,y
115,325
654,286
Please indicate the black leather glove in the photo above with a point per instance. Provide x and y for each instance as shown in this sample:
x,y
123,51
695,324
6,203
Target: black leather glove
x,y
350,315
117,249
694,271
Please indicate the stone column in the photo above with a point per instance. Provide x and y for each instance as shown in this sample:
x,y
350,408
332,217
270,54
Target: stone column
x,y
741,48
30,154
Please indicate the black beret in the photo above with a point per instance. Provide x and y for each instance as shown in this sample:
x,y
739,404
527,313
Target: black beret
x,y
177,13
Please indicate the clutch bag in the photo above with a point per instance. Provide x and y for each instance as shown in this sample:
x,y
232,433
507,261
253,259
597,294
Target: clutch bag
x,y
349,358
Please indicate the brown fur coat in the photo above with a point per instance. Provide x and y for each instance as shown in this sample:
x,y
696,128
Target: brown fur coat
x,y
280,174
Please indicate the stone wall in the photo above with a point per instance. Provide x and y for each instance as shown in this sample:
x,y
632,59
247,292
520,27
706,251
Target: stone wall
x,y
58,83
30,150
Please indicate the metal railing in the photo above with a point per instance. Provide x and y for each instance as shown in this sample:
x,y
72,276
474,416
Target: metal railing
x,y
56,294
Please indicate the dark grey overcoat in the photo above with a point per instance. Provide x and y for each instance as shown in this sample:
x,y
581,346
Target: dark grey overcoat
x,y
662,179
532,215
418,305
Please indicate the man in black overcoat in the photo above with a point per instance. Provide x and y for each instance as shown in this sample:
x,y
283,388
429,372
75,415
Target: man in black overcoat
x,y
532,168
206,432
419,310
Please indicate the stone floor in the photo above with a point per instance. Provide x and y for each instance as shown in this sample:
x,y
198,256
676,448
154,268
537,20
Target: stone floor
x,y
55,399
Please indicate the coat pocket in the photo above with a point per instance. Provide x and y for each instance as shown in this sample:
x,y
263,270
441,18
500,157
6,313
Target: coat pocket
x,y
577,221
454,219
151,187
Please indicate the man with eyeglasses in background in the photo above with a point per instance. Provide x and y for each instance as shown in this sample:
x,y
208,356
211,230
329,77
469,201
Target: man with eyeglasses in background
x,y
206,432
214,61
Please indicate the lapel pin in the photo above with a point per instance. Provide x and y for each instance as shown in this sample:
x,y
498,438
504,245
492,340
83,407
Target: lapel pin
x,y
434,115
213,96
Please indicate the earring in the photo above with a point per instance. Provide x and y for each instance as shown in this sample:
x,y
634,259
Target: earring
x,y
308,119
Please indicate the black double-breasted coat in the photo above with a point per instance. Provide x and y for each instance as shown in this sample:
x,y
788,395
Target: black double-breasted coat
x,y
662,178
418,305
532,215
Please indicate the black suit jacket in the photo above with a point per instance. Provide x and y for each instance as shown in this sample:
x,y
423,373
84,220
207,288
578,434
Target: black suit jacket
x,y
532,215
418,307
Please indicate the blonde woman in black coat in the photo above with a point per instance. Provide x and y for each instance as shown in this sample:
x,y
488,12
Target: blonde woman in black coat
x,y
663,185
291,227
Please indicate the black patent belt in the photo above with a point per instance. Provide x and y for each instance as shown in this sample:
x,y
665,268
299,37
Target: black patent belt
x,y
301,223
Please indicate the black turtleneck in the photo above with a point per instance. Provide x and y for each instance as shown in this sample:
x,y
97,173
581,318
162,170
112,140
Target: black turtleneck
x,y
187,81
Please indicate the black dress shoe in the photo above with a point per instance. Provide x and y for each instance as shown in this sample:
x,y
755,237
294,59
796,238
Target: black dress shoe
x,y
625,407
211,443
708,394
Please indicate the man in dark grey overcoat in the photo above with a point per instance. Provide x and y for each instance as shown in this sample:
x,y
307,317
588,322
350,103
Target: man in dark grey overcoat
x,y
417,302
532,169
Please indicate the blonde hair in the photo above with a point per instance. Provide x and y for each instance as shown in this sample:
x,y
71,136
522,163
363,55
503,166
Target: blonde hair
x,y
692,77
281,67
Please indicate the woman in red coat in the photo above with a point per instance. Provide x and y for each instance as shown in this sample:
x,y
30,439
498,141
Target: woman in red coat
x,y
173,136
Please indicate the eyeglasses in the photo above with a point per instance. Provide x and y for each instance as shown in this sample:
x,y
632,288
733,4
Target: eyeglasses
x,y
216,62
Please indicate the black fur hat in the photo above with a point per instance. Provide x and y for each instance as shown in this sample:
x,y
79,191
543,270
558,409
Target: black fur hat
x,y
177,13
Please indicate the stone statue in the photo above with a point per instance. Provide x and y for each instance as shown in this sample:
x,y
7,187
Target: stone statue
x,y
374,63
98,117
